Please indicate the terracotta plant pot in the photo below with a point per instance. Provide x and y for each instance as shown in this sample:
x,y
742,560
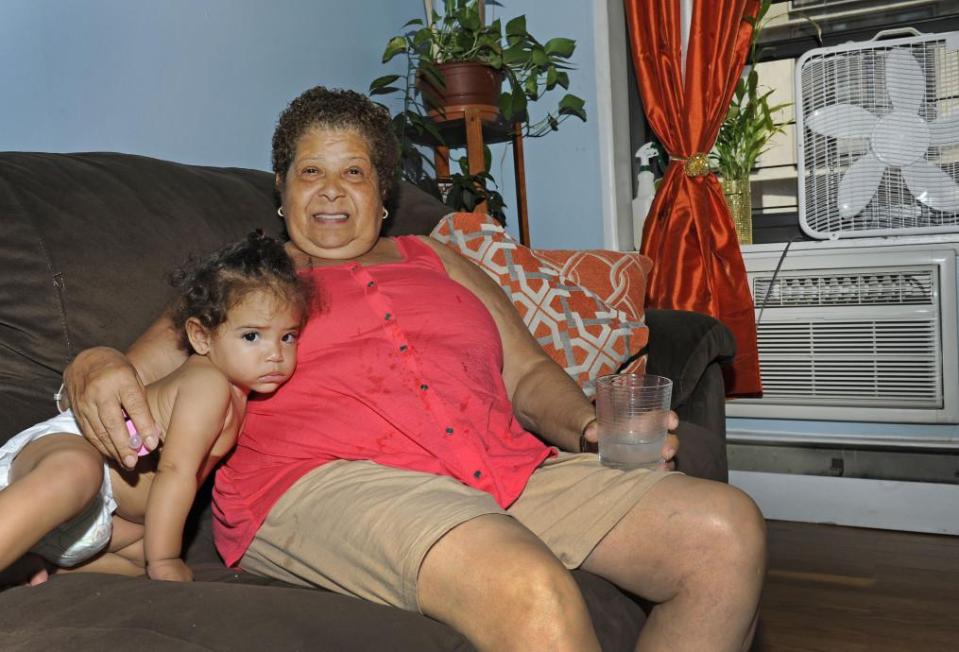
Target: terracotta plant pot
x,y
474,84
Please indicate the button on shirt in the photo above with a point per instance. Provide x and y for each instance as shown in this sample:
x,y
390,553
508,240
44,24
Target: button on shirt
x,y
403,368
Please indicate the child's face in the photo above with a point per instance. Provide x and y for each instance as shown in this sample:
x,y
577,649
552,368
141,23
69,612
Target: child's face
x,y
256,346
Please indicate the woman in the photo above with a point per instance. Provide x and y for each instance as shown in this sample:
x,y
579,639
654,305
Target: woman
x,y
403,443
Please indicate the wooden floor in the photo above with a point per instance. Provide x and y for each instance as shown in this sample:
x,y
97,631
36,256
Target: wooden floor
x,y
847,589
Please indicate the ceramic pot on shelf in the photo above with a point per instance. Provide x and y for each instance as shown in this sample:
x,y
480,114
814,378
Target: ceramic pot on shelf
x,y
473,84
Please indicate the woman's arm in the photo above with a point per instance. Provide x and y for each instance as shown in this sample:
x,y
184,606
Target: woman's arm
x,y
545,399
101,383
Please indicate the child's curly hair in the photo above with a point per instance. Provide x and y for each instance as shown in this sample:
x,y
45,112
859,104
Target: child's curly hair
x,y
210,287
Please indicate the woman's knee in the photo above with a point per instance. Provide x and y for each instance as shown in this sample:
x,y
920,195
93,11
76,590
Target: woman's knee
x,y
735,529
494,581
538,583
541,602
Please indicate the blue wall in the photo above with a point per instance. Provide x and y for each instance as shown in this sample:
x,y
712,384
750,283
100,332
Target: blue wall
x,y
562,168
202,81
198,81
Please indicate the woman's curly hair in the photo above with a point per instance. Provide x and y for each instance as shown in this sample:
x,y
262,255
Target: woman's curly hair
x,y
209,288
338,109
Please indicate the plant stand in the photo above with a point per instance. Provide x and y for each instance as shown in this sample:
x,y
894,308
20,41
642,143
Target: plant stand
x,y
473,125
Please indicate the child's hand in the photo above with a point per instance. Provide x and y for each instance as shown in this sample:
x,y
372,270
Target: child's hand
x,y
170,570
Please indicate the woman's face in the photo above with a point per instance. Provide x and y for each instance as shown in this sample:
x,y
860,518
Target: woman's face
x,y
331,195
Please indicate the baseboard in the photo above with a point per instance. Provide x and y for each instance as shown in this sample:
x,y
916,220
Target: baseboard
x,y
883,504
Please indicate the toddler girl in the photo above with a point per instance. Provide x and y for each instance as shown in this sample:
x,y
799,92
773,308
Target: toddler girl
x,y
239,314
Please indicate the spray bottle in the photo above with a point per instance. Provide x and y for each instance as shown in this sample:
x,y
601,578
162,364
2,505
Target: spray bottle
x,y
644,191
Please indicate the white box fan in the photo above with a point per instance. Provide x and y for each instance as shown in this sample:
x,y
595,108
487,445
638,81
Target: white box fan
x,y
878,136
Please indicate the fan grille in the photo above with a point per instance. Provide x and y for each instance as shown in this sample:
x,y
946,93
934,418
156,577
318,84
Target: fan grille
x,y
858,77
854,363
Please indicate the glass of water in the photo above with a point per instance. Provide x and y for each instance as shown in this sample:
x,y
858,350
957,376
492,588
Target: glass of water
x,y
632,413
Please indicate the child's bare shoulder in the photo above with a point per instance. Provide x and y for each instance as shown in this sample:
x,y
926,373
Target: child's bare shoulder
x,y
202,379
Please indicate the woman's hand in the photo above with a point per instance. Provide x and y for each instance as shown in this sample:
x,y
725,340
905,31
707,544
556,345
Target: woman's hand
x,y
101,383
169,570
670,444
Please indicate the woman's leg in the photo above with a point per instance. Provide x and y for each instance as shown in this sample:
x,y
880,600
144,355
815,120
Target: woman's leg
x,y
51,480
495,582
697,548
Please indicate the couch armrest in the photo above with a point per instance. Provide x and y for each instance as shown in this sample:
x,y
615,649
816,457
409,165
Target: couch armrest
x,y
682,345
688,348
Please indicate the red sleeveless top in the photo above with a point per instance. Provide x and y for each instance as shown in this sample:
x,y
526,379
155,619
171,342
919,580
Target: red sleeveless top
x,y
404,368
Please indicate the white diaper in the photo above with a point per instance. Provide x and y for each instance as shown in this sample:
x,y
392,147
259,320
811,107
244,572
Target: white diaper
x,y
87,533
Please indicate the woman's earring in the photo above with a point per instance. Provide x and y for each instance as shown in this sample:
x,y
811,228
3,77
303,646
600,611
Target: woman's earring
x,y
386,213
279,211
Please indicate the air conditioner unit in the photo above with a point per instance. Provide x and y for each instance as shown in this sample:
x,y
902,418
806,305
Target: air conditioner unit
x,y
856,333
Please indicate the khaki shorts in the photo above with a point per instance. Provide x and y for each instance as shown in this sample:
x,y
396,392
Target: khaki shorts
x,y
363,529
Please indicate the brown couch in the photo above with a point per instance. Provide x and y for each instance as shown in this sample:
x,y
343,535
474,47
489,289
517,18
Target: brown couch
x,y
85,243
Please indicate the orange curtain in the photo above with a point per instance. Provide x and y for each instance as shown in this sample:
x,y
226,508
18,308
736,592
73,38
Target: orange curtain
x,y
689,232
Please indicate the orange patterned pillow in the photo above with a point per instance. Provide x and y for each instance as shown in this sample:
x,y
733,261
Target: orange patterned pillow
x,y
562,296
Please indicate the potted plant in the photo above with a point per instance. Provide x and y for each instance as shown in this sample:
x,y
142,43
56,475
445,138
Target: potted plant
x,y
443,54
744,136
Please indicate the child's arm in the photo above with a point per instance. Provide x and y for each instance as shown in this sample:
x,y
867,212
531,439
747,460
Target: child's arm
x,y
197,420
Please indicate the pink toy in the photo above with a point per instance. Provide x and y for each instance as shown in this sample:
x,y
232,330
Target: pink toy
x,y
135,440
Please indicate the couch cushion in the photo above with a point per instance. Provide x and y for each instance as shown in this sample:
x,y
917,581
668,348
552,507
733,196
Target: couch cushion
x,y
584,334
616,277
413,211
94,612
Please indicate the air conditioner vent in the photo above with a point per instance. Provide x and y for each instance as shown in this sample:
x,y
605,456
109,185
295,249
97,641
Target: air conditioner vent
x,y
857,363
845,289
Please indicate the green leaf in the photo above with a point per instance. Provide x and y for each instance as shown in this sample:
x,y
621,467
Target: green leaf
x,y
385,80
531,87
572,105
415,21
562,47
552,76
514,54
470,21
423,37
516,27
562,79
396,45
383,90
506,105
539,57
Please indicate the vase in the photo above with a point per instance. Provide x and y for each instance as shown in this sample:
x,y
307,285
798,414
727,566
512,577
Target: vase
x,y
739,199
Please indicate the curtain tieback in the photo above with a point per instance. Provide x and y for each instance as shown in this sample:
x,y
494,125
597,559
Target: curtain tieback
x,y
696,165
